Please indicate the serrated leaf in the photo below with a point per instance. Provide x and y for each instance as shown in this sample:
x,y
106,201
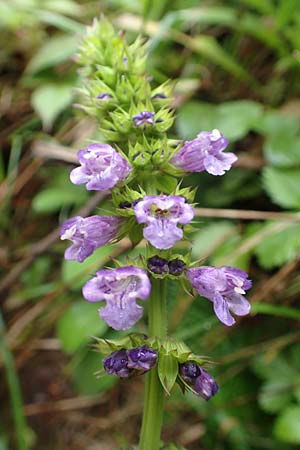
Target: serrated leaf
x,y
78,324
49,100
74,274
167,371
57,49
279,248
282,185
282,150
286,427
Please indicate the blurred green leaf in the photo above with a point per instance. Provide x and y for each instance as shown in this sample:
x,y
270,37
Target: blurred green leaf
x,y
210,237
286,427
56,49
275,395
282,185
53,199
275,310
78,324
194,117
279,248
49,100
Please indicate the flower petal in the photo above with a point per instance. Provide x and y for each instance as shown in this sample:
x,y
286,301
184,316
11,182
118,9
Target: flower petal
x,y
222,311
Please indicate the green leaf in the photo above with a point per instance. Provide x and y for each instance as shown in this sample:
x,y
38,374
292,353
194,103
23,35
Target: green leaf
x,y
273,123
49,100
287,427
194,117
74,274
282,185
57,49
275,310
279,248
282,150
53,199
167,371
78,324
210,237
166,184
275,395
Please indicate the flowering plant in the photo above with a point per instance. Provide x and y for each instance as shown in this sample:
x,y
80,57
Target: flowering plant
x,y
141,166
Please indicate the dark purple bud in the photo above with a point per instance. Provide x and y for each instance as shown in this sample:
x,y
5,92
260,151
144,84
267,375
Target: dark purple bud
x,y
142,358
200,381
144,117
104,96
158,265
205,385
159,95
176,267
125,205
117,364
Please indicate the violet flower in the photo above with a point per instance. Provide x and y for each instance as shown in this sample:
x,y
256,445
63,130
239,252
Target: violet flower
x,y
142,358
176,267
201,382
205,153
224,286
117,364
162,214
104,96
143,118
120,288
158,265
87,234
102,167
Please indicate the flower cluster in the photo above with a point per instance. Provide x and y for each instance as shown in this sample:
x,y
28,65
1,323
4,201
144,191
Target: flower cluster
x,y
125,363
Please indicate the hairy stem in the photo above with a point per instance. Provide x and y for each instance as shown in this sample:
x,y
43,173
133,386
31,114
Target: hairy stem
x,y
154,393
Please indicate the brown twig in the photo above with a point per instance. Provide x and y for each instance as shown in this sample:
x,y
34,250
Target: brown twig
x,y
244,214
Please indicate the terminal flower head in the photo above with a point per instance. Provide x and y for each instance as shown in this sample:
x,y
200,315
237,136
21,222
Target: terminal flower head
x,y
120,288
162,214
143,118
87,234
205,153
101,167
224,286
201,382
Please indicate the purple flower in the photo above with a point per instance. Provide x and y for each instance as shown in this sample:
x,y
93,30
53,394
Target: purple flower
x,y
142,358
158,265
205,153
143,118
176,267
101,167
224,286
201,382
104,96
120,288
87,234
162,214
117,364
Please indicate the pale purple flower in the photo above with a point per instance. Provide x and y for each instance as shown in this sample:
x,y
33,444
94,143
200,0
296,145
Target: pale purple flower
x,y
144,117
117,364
102,167
224,286
120,288
87,234
142,358
162,214
205,153
201,382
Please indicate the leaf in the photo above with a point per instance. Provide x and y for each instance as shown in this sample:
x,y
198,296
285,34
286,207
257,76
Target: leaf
x,y
279,248
53,199
210,237
194,117
282,185
275,395
273,123
74,274
78,324
282,150
57,49
49,100
286,427
167,371
166,184
275,310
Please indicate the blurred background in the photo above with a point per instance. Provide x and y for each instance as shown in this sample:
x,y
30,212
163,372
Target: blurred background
x,y
236,65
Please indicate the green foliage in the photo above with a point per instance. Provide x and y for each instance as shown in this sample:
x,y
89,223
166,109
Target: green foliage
x,y
282,185
286,426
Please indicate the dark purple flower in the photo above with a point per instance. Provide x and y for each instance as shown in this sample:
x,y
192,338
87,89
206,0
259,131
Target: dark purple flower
x,y
142,358
117,364
120,288
144,117
162,214
101,167
87,234
176,267
224,286
205,153
104,96
201,382
158,265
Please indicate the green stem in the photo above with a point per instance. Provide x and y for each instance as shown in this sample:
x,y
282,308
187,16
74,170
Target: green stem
x,y
14,390
154,392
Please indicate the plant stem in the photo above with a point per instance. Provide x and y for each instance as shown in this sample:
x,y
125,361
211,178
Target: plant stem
x,y
14,390
154,392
